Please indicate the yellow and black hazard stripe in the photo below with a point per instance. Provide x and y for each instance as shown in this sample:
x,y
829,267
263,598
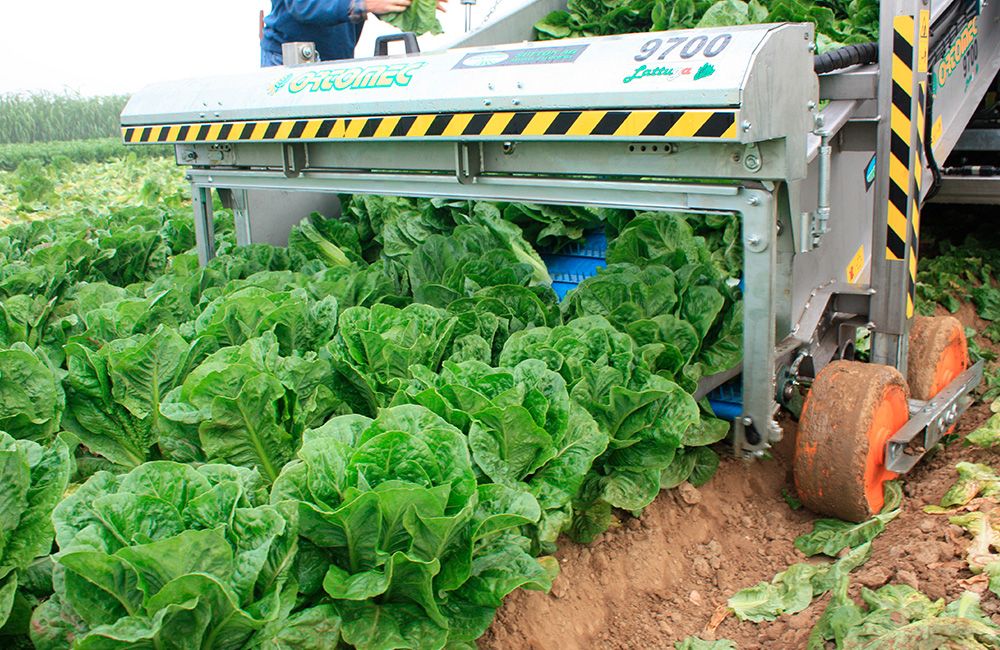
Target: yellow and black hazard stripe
x,y
676,124
923,41
914,232
900,150
906,145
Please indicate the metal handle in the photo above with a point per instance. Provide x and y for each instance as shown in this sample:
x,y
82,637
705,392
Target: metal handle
x,y
409,42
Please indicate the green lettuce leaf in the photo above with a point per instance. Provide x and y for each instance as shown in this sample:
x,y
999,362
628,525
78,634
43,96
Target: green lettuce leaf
x,y
417,554
168,552
31,395
792,590
34,479
831,536
420,18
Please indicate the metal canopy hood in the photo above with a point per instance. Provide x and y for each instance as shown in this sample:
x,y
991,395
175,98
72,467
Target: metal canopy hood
x,y
734,67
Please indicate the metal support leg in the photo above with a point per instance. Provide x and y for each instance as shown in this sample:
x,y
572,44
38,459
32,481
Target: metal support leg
x,y
903,38
241,217
204,224
757,427
785,258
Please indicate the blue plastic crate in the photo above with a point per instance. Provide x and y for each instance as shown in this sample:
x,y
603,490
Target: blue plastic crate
x,y
727,400
563,283
572,265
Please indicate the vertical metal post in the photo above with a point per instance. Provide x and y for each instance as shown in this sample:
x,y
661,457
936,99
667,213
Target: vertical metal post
x,y
468,14
204,224
757,428
785,259
903,34
241,217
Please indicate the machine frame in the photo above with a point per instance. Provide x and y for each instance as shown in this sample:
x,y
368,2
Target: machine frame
x,y
829,248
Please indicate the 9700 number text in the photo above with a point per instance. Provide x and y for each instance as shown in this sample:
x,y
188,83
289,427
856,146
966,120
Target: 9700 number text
x,y
689,47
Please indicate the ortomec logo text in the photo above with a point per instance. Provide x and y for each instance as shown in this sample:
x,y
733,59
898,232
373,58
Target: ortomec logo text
x,y
958,49
356,78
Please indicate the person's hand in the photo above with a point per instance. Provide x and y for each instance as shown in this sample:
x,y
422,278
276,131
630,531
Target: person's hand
x,y
379,7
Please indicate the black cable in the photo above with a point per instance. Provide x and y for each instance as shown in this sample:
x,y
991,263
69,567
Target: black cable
x,y
973,170
859,54
929,147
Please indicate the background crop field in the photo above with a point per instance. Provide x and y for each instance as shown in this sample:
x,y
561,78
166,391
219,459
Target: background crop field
x,y
48,127
43,117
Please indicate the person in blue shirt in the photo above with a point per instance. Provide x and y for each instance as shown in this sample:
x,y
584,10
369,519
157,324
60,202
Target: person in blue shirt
x,y
333,25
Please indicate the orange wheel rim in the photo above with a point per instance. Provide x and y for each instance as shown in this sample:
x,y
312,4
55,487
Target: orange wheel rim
x,y
954,361
890,415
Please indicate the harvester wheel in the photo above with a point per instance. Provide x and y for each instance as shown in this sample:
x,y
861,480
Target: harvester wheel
x,y
852,409
939,352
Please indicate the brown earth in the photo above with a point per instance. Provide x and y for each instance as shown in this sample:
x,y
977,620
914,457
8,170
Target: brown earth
x,y
649,582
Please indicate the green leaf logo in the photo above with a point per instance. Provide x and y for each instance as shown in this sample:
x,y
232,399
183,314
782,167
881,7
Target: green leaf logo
x,y
706,70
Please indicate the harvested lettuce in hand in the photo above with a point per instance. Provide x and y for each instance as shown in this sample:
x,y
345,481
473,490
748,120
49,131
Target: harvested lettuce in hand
x,y
420,18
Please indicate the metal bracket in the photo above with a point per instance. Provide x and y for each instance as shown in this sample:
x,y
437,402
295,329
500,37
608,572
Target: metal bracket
x,y
468,162
299,53
932,419
648,148
293,158
847,298
752,159
219,154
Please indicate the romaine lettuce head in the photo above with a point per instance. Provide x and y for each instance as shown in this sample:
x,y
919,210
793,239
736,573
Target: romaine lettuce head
x,y
523,431
416,554
33,478
168,554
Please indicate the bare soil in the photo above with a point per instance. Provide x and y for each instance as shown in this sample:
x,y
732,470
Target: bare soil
x,y
649,582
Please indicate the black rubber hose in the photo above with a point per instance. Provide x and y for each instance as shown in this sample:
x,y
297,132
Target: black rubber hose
x,y
859,54
929,148
973,170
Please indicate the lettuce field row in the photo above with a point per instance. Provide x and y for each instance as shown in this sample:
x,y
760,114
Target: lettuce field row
x,y
368,438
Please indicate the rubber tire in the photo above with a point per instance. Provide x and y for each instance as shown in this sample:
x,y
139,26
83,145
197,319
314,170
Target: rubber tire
x,y
938,353
849,413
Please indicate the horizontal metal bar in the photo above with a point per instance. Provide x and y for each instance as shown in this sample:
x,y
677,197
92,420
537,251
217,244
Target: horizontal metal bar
x,y
979,140
514,158
639,195
682,124
969,190
707,384
853,83
515,27
932,419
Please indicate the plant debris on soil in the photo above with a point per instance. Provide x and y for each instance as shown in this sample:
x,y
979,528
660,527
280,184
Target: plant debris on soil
x,y
656,580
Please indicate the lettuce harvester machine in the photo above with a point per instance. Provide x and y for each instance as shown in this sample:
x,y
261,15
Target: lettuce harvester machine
x,y
827,160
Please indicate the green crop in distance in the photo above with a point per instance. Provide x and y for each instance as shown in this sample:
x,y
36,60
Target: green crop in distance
x,y
43,117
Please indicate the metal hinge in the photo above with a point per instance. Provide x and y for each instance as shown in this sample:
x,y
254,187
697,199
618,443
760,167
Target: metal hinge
x,y
293,158
468,162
